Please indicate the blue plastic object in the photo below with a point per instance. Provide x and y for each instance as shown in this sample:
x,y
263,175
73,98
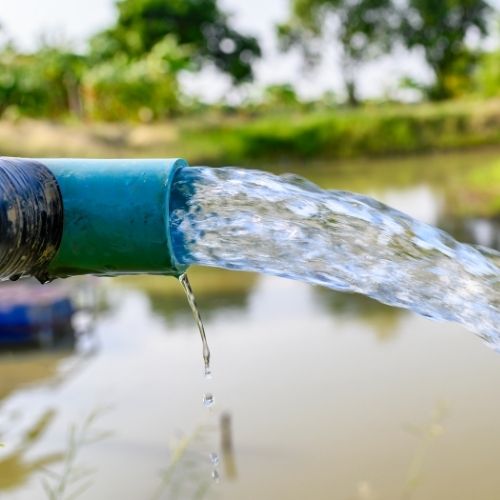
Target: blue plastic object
x,y
31,315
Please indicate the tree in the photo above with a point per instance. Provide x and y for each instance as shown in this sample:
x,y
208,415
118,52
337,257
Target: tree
x,y
278,96
362,28
488,75
365,29
200,24
145,88
440,29
46,83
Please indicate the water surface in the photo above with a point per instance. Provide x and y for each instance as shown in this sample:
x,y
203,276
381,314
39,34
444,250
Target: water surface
x,y
329,395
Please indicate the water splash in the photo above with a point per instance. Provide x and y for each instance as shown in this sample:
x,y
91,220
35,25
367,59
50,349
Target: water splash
x,y
287,226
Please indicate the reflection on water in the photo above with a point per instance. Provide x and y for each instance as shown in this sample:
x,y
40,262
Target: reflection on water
x,y
323,395
479,231
426,434
227,447
74,478
15,466
216,290
186,475
20,370
382,319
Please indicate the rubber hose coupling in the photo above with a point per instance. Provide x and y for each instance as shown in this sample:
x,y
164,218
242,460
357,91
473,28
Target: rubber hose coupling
x,y
66,217
31,218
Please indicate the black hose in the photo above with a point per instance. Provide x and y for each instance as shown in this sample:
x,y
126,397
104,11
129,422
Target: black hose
x,y
31,218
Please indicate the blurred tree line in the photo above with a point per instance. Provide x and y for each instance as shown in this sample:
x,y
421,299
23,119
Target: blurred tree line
x,y
366,29
131,70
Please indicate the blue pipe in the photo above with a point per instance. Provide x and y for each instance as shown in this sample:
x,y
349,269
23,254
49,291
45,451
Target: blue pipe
x,y
107,217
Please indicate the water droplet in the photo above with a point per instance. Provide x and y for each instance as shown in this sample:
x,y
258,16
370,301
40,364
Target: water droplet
x,y
208,373
215,475
208,400
214,459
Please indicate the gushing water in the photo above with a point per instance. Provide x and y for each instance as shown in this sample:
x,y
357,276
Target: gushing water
x,y
286,226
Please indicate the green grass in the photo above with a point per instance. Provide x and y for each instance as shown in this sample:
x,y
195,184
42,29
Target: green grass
x,y
337,134
282,138
293,136
480,194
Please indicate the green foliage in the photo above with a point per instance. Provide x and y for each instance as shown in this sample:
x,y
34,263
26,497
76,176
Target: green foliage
x,y
55,83
488,75
131,70
280,96
479,193
143,88
43,84
440,29
345,133
200,24
363,30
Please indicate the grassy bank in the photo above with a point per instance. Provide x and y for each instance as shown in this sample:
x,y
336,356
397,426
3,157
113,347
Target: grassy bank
x,y
297,141
292,136
351,133
479,194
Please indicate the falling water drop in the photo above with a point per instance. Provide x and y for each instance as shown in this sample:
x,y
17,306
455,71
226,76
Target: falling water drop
x,y
215,475
214,459
208,400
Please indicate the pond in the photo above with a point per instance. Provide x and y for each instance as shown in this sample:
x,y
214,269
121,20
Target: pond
x,y
317,394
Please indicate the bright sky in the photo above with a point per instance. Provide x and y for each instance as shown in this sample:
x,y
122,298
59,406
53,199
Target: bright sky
x,y
27,20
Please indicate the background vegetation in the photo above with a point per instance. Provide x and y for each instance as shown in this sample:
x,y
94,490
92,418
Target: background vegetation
x,y
130,71
121,95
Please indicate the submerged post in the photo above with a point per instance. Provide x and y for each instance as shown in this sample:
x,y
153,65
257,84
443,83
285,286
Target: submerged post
x,y
64,217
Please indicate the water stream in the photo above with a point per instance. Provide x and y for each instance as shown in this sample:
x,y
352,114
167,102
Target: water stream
x,y
208,398
186,285
287,226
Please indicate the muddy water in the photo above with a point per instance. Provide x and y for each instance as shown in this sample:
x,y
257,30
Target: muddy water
x,y
319,395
